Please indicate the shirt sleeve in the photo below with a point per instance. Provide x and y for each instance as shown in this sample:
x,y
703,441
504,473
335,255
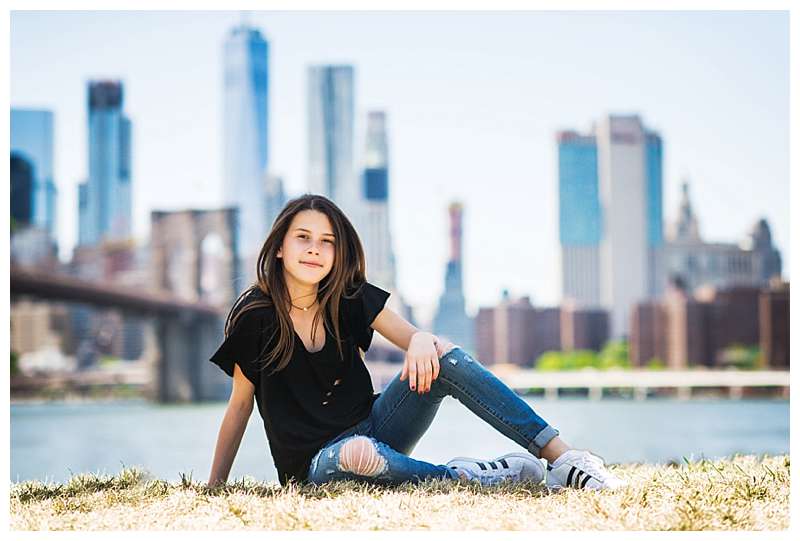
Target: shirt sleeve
x,y
362,311
243,347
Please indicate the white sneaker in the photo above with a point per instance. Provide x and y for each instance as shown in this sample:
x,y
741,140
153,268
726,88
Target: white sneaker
x,y
581,469
513,466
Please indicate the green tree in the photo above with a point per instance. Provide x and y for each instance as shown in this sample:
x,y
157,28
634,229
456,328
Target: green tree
x,y
655,363
14,363
106,360
567,360
550,361
614,355
741,356
583,358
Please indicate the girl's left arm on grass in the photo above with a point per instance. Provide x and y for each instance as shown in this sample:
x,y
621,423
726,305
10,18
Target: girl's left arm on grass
x,y
423,349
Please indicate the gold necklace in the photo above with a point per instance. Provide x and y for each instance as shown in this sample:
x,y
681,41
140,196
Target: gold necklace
x,y
304,309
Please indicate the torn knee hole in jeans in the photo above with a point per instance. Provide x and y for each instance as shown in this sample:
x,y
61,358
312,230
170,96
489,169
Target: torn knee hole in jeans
x,y
360,455
452,359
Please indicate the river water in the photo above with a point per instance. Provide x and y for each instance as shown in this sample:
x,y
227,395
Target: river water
x,y
50,442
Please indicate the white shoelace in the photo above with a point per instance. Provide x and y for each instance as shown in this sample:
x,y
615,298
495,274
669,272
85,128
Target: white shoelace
x,y
496,478
489,476
593,465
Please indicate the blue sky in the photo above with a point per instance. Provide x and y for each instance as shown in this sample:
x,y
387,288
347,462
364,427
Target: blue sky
x,y
473,102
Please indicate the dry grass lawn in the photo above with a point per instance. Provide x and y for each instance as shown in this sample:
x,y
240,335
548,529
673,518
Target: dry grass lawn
x,y
742,493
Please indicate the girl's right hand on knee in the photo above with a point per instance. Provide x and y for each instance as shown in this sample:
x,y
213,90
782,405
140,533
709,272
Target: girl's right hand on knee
x,y
421,364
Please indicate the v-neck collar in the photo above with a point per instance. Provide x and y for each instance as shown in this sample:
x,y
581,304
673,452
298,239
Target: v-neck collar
x,y
302,344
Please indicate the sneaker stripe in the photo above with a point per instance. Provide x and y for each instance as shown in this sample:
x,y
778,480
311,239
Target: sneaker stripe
x,y
493,465
482,465
585,479
578,478
569,477
504,463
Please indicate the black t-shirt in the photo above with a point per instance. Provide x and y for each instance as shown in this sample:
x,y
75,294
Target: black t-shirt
x,y
317,396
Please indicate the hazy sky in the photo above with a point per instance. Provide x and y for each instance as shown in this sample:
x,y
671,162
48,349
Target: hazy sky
x,y
473,103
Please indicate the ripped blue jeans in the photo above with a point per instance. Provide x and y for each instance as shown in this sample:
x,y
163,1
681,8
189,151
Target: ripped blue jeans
x,y
376,449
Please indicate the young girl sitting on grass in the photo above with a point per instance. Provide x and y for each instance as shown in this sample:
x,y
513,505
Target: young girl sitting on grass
x,y
295,340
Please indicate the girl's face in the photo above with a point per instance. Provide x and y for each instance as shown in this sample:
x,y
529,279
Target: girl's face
x,y
308,247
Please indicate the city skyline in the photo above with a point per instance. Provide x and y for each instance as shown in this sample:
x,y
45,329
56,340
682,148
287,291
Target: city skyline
x,y
246,145
434,148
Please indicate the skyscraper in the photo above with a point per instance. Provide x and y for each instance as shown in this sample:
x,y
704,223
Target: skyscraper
x,y
33,190
629,167
105,199
451,319
246,140
274,199
331,106
656,278
610,191
375,190
579,218
23,190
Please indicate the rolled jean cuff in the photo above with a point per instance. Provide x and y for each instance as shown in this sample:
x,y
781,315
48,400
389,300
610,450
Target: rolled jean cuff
x,y
542,439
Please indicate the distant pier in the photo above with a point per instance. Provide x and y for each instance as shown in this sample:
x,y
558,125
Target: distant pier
x,y
640,383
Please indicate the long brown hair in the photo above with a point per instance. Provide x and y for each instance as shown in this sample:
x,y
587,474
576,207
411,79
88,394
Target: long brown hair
x,y
347,275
